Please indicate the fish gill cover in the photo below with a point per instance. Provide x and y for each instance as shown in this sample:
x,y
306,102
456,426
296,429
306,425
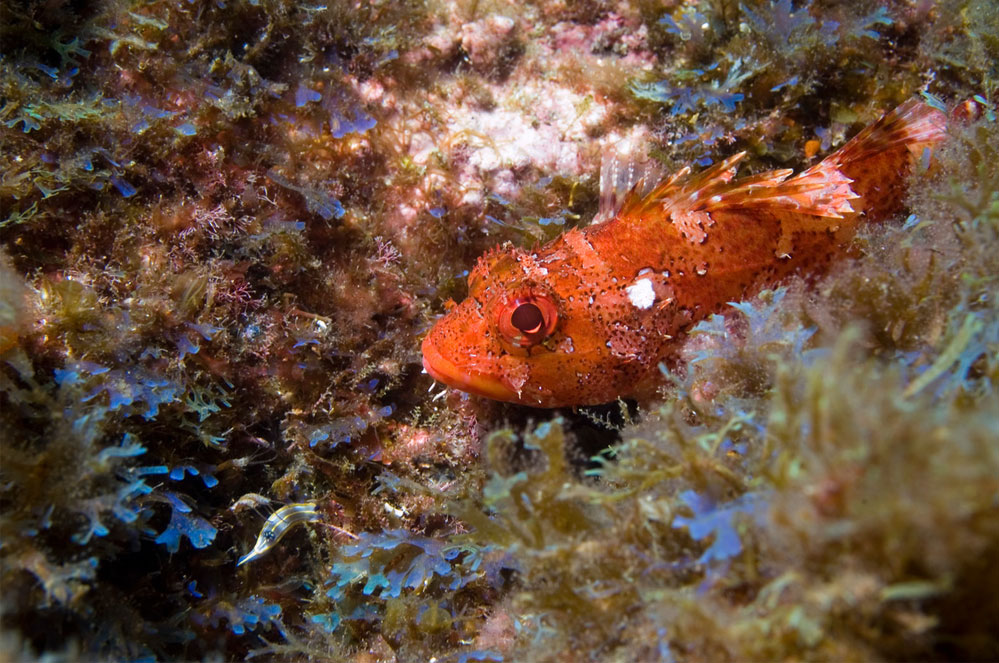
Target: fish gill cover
x,y
226,226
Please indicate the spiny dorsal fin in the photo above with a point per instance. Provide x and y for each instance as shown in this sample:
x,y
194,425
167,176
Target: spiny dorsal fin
x,y
624,173
819,198
820,191
688,200
824,190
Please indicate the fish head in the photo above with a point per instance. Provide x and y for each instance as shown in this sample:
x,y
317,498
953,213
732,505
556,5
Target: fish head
x,y
524,335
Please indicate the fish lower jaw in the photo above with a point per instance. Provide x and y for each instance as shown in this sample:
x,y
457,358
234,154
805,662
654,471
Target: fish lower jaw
x,y
445,371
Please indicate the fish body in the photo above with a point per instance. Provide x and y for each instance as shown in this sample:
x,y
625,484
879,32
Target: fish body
x,y
587,318
277,525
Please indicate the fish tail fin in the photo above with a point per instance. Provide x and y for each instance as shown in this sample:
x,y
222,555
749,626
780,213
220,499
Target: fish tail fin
x,y
910,128
878,160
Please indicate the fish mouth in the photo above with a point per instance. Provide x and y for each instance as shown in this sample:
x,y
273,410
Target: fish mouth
x,y
444,370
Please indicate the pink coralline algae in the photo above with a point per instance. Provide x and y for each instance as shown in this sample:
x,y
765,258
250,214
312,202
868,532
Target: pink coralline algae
x,y
488,40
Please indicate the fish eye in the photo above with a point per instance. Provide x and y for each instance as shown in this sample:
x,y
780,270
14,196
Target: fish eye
x,y
527,320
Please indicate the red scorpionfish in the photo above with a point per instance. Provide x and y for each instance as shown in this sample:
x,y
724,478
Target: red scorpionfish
x,y
588,317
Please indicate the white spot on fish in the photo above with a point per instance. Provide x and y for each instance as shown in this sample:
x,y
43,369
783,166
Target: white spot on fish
x,y
640,293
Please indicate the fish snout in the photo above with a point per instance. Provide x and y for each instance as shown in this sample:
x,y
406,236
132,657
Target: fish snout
x,y
445,370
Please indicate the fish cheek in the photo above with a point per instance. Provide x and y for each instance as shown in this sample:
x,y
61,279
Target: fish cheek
x,y
565,360
514,372
461,339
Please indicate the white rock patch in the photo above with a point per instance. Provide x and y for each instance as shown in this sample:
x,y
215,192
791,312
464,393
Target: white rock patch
x,y
640,293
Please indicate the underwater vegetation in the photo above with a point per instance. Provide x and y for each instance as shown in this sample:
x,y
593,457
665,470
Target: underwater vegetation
x,y
226,226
